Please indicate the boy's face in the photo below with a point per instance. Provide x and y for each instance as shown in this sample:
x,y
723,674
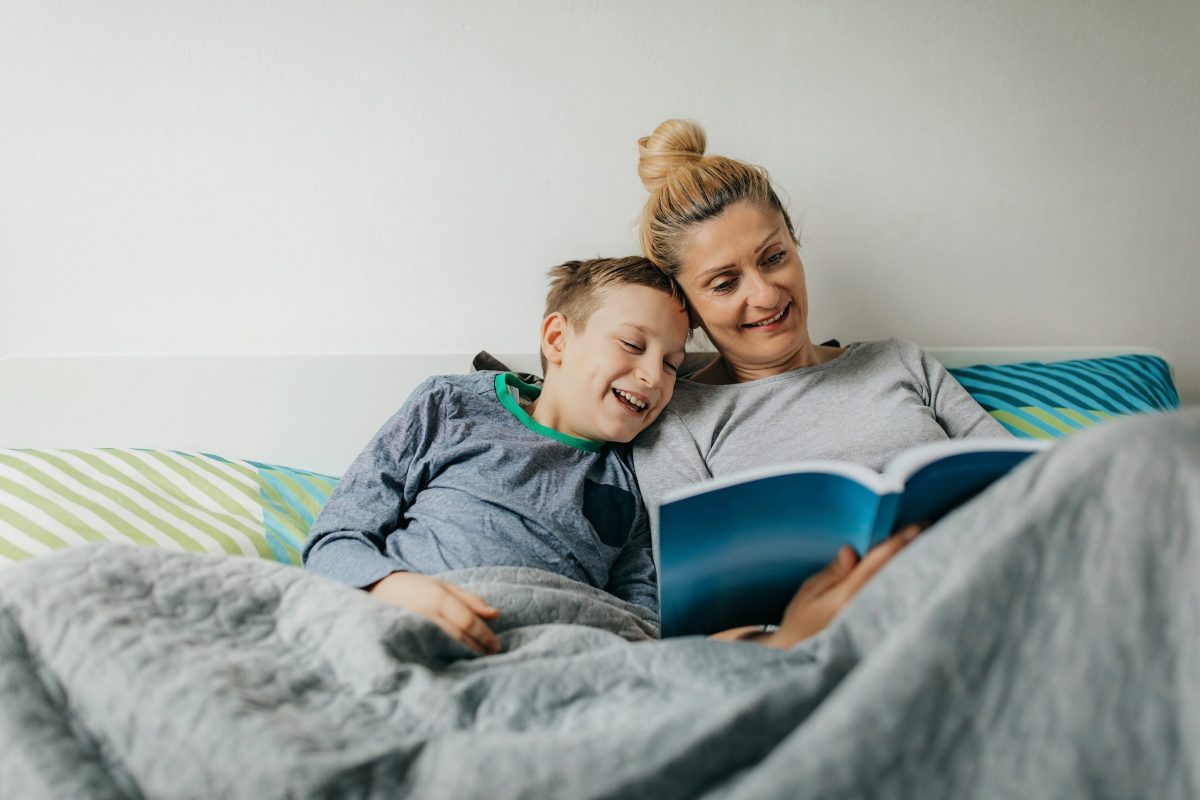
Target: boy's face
x,y
615,376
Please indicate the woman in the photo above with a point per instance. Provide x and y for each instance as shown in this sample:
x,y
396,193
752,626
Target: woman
x,y
716,225
1039,641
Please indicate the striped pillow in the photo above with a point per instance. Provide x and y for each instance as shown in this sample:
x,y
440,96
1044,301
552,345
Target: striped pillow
x,y
195,502
1046,401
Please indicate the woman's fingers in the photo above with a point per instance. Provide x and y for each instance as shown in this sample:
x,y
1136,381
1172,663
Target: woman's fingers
x,y
823,596
832,573
876,557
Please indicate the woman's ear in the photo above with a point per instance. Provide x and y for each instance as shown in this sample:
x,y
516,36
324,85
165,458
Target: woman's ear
x,y
554,338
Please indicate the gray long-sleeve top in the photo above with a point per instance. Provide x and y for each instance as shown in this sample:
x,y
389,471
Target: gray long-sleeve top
x,y
869,404
461,476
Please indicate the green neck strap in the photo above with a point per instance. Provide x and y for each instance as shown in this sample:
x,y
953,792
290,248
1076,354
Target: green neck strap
x,y
506,379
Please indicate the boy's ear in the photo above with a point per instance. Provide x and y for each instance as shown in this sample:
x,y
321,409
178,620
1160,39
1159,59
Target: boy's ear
x,y
554,337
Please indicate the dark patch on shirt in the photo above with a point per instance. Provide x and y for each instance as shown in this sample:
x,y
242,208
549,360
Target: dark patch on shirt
x,y
611,510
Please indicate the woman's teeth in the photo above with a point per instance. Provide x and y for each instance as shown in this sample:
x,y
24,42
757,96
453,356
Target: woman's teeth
x,y
770,321
640,405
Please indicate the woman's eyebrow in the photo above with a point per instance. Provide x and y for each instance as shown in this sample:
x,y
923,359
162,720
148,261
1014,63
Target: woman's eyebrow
x,y
766,241
704,276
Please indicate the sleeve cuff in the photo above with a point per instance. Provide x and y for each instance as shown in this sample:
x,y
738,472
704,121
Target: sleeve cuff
x,y
351,562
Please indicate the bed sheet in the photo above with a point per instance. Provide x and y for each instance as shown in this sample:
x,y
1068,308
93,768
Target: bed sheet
x,y
1040,641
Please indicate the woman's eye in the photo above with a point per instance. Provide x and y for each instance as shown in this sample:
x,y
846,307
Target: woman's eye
x,y
725,286
775,258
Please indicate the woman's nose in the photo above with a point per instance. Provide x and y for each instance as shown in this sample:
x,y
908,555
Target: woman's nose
x,y
760,293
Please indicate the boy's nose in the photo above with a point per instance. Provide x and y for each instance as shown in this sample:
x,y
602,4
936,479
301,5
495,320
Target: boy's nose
x,y
649,374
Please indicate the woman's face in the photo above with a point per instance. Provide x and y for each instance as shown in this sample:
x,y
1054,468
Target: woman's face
x,y
744,282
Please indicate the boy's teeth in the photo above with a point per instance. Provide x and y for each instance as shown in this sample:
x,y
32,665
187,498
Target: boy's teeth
x,y
631,398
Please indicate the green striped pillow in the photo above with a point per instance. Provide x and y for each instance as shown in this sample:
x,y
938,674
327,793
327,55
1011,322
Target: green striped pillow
x,y
1035,400
52,499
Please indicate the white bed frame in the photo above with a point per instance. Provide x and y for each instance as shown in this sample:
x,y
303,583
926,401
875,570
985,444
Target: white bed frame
x,y
313,412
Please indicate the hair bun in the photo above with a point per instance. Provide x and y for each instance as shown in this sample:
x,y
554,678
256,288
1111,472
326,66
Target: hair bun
x,y
675,143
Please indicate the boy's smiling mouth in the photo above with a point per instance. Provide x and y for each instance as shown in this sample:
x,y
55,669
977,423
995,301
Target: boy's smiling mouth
x,y
633,401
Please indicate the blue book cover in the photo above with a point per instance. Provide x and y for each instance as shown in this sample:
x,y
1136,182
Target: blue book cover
x,y
733,551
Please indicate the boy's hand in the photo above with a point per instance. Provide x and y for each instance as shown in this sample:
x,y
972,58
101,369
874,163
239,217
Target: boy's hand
x,y
458,612
824,595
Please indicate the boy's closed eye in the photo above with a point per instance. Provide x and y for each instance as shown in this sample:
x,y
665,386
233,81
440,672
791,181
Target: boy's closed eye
x,y
637,348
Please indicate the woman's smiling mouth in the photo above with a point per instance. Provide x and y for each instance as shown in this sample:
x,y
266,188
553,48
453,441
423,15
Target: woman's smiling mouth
x,y
763,323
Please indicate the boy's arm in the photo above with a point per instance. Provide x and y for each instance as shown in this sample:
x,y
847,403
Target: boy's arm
x,y
460,613
347,541
632,576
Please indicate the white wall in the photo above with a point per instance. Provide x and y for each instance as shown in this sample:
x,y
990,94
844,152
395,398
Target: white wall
x,y
262,177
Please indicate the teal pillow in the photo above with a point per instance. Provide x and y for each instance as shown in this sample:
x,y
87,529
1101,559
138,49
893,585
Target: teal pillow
x,y
1036,400
291,501
194,502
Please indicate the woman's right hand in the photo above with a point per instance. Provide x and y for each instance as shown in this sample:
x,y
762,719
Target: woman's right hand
x,y
823,596
459,613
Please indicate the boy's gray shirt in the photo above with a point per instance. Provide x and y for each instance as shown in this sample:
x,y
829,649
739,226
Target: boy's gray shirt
x,y
866,406
454,480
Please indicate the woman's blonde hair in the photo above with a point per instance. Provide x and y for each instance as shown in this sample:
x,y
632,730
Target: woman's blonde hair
x,y
687,188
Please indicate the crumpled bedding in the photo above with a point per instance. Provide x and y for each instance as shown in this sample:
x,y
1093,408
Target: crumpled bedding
x,y
1042,641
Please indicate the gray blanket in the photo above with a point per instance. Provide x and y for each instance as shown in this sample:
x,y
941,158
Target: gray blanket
x,y
1043,641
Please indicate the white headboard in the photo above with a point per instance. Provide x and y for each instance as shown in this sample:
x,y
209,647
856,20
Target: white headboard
x,y
313,412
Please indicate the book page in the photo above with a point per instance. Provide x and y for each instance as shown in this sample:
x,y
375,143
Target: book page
x,y
903,466
868,478
940,486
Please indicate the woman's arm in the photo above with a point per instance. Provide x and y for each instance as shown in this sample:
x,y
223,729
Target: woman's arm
x,y
665,457
955,410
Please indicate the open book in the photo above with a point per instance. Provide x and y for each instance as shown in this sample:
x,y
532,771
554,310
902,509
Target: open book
x,y
734,550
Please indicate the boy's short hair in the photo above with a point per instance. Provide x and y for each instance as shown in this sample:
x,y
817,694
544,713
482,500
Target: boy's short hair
x,y
576,286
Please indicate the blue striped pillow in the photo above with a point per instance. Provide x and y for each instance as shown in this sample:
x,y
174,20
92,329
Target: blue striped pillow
x,y
291,501
1037,400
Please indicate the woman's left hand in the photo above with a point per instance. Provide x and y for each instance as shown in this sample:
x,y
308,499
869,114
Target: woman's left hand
x,y
823,596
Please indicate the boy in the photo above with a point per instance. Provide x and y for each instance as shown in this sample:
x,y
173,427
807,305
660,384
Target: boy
x,y
485,470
